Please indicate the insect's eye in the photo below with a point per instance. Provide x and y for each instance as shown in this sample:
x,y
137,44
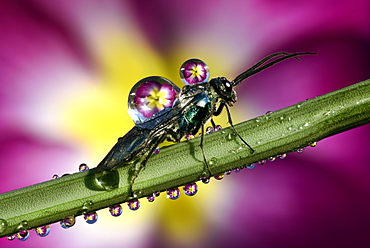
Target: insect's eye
x,y
194,71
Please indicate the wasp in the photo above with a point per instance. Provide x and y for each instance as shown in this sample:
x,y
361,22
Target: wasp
x,y
164,112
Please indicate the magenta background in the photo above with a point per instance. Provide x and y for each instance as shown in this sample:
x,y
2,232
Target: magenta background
x,y
319,198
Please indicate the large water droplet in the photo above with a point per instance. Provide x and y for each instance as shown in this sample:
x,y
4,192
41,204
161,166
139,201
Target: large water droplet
x,y
3,225
68,222
173,194
22,235
190,189
115,210
83,167
108,180
42,231
133,205
91,218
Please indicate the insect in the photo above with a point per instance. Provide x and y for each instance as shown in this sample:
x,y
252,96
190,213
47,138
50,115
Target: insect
x,y
164,112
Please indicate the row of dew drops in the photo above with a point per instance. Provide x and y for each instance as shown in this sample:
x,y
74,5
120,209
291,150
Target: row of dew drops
x,y
173,194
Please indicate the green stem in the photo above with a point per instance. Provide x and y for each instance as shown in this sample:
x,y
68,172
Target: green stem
x,y
280,132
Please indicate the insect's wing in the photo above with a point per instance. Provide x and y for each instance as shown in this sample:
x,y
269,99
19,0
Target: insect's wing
x,y
150,96
194,71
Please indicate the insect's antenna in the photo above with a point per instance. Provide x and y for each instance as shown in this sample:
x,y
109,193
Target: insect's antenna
x,y
264,64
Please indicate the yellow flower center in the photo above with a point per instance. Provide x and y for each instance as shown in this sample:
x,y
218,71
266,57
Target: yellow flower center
x,y
196,70
157,99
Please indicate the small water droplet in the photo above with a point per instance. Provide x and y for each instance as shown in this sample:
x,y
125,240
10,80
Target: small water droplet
x,y
212,161
86,206
300,150
133,205
237,170
291,128
156,194
55,176
42,231
282,156
218,128
190,189
227,173
272,159
173,194
268,112
231,136
66,174
3,225
150,198
250,166
83,167
22,235
91,218
204,180
115,210
189,136
11,237
136,194
298,105
157,150
209,130
261,162
313,144
219,176
68,222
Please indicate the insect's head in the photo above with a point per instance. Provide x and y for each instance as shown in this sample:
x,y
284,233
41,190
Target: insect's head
x,y
224,89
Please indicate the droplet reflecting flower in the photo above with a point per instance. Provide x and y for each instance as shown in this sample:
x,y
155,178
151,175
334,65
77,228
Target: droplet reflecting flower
x,y
83,167
133,205
219,176
204,180
173,194
150,198
210,130
91,218
11,238
189,136
190,189
218,128
68,222
149,96
42,231
250,166
22,235
194,71
115,210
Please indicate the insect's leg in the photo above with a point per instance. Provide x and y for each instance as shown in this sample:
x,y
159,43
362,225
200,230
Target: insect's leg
x,y
202,148
219,110
213,124
236,132
154,144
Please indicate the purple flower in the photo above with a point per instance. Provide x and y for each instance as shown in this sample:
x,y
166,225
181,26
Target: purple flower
x,y
152,97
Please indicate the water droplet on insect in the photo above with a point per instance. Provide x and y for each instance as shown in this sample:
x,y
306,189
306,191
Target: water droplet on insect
x,y
189,136
218,128
300,150
133,205
83,167
22,235
272,159
3,225
261,162
42,231
313,144
68,222
282,156
55,176
219,176
250,166
108,180
11,237
91,218
157,150
190,189
115,210
150,198
209,130
204,180
173,194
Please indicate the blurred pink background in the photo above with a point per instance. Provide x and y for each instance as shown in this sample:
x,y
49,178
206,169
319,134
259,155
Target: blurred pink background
x,y
66,68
